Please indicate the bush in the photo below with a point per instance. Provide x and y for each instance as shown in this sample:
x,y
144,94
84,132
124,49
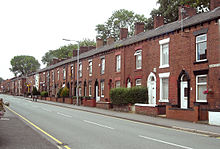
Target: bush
x,y
65,92
35,91
44,93
59,92
124,96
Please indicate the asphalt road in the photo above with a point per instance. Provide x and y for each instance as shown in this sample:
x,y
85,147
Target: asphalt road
x,y
83,130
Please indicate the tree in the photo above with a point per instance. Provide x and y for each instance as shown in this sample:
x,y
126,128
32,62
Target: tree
x,y
22,65
64,51
120,19
169,8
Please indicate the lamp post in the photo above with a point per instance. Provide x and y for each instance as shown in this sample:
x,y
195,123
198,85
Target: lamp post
x,y
77,74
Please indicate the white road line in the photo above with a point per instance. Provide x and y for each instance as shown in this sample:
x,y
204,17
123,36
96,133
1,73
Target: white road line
x,y
64,114
46,110
169,143
98,124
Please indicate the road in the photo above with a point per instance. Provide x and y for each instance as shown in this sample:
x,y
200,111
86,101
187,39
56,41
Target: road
x,y
83,130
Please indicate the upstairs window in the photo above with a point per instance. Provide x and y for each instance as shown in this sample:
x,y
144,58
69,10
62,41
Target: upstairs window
x,y
90,67
118,63
80,69
201,48
64,73
102,65
58,74
138,59
71,71
164,53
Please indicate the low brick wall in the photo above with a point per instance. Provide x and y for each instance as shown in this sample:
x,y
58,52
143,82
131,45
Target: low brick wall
x,y
122,108
151,110
48,98
54,99
191,115
89,103
68,100
60,100
103,105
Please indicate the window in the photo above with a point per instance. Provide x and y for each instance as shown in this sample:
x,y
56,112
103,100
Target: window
x,y
90,89
118,63
80,90
102,88
90,67
138,59
80,69
117,84
71,72
64,74
164,87
102,65
58,74
201,47
138,82
164,53
201,86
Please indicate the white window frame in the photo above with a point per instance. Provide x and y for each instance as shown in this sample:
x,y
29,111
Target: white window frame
x,y
80,69
163,76
72,71
102,88
80,90
118,63
117,84
58,74
198,42
64,73
138,83
197,84
90,67
90,89
102,65
138,61
163,42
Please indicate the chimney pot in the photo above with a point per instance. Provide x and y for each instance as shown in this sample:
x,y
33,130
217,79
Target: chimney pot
x,y
186,11
139,27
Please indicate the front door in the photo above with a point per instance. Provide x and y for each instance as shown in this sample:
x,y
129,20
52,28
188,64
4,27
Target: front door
x,y
97,93
152,91
184,96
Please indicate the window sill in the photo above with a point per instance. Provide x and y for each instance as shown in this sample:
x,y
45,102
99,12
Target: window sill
x,y
118,72
163,100
136,70
164,66
201,62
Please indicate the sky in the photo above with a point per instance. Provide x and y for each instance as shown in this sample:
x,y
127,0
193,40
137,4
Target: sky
x,y
33,27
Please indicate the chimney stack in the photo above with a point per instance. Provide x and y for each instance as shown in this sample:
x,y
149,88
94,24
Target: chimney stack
x,y
139,27
158,21
214,4
187,11
110,40
99,43
123,33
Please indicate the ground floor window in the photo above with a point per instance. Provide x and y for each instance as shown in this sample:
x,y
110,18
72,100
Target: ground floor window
x,y
117,84
164,87
138,82
90,89
102,88
201,88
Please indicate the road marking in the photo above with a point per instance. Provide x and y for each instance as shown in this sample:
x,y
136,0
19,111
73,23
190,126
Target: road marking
x,y
98,124
50,136
161,141
46,110
64,114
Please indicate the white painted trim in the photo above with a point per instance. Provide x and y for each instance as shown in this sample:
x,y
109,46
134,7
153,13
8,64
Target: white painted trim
x,y
164,66
164,75
145,105
164,41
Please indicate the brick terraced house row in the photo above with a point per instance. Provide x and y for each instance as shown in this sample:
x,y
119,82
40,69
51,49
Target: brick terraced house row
x,y
179,62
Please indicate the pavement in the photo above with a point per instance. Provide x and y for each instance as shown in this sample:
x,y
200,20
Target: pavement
x,y
201,128
15,134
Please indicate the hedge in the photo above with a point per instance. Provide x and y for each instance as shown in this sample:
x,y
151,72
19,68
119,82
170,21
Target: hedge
x,y
44,93
65,92
124,96
35,91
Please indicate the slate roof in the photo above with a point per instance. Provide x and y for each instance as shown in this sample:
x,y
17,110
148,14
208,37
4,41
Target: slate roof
x,y
165,29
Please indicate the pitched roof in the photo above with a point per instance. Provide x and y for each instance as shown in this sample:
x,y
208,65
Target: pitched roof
x,y
165,29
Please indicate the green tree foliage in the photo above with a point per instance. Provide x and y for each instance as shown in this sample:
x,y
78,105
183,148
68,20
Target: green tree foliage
x,y
169,8
64,51
35,91
65,92
22,65
120,19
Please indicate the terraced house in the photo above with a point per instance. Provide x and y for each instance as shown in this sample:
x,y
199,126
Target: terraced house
x,y
179,62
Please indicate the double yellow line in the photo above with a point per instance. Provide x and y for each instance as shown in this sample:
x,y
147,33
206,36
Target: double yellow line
x,y
38,128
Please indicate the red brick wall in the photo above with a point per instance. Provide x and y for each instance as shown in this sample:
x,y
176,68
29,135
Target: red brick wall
x,y
152,111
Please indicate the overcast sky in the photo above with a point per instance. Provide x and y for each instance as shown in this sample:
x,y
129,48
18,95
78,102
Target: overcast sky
x,y
33,27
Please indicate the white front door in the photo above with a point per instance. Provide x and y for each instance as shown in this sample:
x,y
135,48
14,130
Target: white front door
x,y
152,92
97,93
184,96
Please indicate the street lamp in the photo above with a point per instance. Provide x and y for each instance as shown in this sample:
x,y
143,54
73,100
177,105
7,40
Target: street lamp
x,y
77,74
